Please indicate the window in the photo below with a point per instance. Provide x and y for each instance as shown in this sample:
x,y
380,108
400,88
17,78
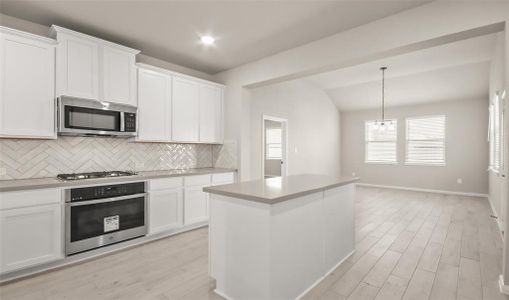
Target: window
x,y
496,134
425,140
381,144
273,148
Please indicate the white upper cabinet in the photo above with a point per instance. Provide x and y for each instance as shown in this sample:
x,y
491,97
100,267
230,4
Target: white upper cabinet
x,y
77,67
119,76
177,108
154,106
211,112
27,85
89,67
185,110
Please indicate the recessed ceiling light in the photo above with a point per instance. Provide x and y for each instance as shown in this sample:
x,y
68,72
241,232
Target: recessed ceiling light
x,y
207,40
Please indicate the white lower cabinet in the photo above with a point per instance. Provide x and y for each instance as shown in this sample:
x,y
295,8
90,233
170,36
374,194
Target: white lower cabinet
x,y
30,236
223,178
196,205
178,201
165,207
196,202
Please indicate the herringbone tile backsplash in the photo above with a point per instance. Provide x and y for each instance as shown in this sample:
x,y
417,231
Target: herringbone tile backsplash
x,y
47,158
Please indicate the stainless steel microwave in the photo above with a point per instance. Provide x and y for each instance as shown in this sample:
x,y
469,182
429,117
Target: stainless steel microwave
x,y
85,117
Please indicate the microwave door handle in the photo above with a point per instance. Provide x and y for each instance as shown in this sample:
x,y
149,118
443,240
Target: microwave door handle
x,y
122,121
104,200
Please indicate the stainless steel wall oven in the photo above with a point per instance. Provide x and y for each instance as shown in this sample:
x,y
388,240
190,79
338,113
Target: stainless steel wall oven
x,y
101,215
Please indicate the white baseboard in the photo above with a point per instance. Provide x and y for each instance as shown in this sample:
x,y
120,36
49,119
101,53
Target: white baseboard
x,y
504,289
222,294
500,225
395,187
324,276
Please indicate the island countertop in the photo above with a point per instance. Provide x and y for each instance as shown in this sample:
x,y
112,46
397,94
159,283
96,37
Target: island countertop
x,y
278,189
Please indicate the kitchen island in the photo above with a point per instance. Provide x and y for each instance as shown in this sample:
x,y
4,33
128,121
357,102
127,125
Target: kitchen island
x,y
277,238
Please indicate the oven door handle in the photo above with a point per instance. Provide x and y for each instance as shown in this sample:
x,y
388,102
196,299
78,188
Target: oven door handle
x,y
104,200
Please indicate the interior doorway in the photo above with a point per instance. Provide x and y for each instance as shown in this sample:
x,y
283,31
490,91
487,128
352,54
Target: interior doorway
x,y
274,147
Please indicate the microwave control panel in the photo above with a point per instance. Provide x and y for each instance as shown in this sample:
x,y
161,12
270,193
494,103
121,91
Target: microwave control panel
x,y
130,122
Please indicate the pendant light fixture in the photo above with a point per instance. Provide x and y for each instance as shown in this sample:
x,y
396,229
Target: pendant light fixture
x,y
383,124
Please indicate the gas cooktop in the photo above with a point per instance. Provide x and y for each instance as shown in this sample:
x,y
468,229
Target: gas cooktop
x,y
91,175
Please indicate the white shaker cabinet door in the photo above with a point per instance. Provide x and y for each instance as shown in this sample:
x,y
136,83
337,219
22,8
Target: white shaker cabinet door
x,y
166,210
27,87
195,205
211,111
185,110
154,106
30,236
118,82
77,67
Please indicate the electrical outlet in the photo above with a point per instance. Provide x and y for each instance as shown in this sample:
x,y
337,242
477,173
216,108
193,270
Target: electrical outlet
x,y
459,180
296,150
353,174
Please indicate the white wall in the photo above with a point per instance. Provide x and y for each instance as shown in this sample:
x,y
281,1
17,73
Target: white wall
x,y
466,148
313,127
497,184
451,20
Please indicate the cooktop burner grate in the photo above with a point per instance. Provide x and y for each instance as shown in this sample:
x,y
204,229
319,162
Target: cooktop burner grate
x,y
91,175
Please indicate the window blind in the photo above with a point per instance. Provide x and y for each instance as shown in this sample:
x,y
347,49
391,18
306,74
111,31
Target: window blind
x,y
496,136
425,140
491,131
380,144
273,147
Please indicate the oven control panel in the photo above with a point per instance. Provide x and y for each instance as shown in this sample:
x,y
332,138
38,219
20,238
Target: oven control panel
x,y
105,191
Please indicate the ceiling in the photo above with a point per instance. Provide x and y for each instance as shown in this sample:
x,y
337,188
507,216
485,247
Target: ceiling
x,y
452,71
170,30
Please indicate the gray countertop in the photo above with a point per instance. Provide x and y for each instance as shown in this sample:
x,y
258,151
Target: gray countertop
x,y
278,189
53,182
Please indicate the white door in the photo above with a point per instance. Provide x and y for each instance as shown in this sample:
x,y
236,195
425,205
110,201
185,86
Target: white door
x,y
77,67
166,210
27,87
118,82
30,236
195,205
154,106
211,108
185,118
274,145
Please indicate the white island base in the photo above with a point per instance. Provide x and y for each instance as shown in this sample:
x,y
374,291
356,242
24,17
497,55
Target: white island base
x,y
279,250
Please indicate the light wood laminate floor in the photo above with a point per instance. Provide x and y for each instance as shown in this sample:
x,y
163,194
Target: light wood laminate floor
x,y
409,245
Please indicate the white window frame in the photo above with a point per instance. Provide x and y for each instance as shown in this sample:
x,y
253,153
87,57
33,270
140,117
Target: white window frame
x,y
442,164
395,162
498,106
